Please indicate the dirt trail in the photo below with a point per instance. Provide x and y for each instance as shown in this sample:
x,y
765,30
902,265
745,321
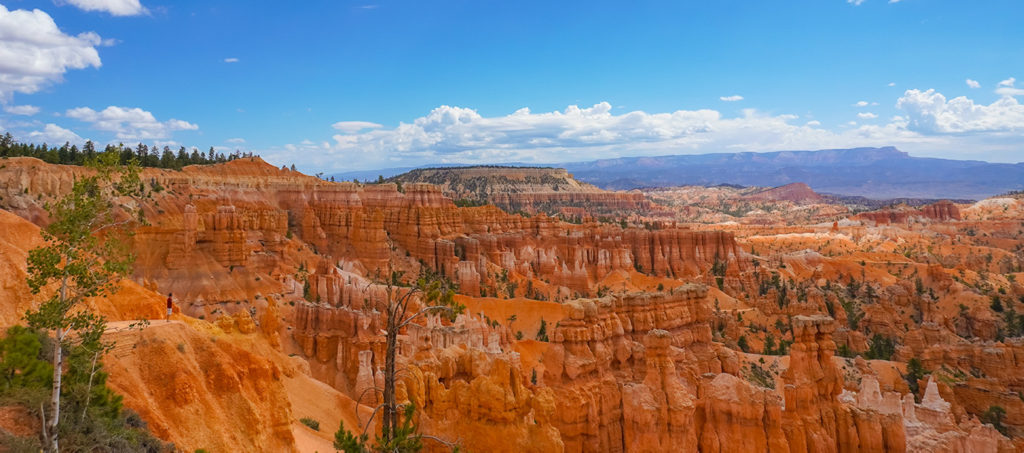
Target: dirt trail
x,y
119,332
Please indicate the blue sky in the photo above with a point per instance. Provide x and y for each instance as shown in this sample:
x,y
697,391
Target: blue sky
x,y
339,85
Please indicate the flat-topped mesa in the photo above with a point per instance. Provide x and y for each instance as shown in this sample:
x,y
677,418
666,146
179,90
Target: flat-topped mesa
x,y
529,189
797,192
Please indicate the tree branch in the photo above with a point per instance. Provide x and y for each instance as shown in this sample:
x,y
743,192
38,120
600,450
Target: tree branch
x,y
372,414
423,311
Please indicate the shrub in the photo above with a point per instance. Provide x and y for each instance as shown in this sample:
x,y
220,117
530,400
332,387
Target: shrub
x,y
742,344
994,416
997,304
880,348
845,351
915,372
311,423
21,364
760,376
542,332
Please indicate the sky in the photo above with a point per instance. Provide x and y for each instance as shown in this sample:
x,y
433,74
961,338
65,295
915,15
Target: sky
x,y
340,85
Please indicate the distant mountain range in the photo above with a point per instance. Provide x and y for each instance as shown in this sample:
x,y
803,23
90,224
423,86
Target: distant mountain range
x,y
868,172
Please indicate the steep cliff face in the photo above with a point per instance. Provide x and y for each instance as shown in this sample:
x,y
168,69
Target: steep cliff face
x,y
939,211
624,370
18,238
211,220
177,379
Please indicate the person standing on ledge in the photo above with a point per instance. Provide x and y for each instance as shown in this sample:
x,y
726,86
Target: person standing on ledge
x,y
170,301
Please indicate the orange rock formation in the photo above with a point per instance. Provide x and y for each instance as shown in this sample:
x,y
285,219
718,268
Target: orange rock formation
x,y
652,335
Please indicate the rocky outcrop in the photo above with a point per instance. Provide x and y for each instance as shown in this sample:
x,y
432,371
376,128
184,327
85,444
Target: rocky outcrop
x,y
532,190
624,370
940,211
928,426
797,192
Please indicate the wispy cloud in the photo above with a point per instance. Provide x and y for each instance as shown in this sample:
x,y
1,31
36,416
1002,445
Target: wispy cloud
x,y
238,140
349,127
26,110
855,2
732,98
867,116
114,7
1007,88
973,83
231,60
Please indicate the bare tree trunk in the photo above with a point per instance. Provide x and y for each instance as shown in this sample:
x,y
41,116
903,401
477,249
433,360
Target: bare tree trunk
x,y
88,393
390,423
50,443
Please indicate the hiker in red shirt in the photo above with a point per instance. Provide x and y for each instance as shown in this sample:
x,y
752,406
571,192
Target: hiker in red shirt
x,y
170,300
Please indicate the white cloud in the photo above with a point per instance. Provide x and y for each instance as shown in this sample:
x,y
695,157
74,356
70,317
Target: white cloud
x,y
54,135
855,2
1006,88
927,124
861,104
893,1
235,140
114,7
34,52
27,110
732,98
129,123
350,127
231,60
892,84
973,83
451,134
929,112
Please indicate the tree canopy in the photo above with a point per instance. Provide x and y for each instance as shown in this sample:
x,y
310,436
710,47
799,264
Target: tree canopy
x,y
144,155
